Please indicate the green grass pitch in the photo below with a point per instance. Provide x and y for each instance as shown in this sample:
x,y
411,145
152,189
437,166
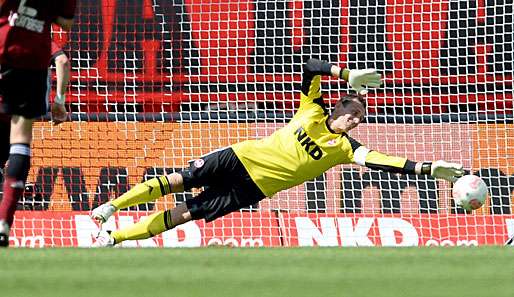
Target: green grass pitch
x,y
227,272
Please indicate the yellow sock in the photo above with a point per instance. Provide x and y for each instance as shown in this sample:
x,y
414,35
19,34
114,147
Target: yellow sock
x,y
145,192
149,227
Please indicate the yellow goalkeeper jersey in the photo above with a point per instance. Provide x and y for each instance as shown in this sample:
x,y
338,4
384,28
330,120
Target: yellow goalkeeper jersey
x,y
305,148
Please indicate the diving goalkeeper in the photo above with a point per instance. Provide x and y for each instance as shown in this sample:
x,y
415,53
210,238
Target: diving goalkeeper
x,y
244,173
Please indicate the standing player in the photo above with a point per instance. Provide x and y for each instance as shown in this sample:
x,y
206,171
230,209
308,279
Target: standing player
x,y
58,111
25,51
247,172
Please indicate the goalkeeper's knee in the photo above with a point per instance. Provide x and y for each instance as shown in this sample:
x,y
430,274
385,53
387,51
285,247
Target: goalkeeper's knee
x,y
155,187
159,222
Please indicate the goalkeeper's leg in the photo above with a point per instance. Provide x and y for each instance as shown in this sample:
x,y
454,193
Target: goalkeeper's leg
x,y
218,172
212,203
154,224
148,191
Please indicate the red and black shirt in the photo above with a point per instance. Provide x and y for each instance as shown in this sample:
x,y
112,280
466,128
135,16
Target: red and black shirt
x,y
25,27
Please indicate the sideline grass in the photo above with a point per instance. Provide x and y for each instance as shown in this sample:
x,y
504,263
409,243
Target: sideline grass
x,y
230,272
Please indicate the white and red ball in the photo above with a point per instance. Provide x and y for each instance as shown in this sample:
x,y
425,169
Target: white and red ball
x,y
470,192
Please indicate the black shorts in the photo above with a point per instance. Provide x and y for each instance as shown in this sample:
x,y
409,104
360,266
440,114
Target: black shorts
x,y
24,92
227,185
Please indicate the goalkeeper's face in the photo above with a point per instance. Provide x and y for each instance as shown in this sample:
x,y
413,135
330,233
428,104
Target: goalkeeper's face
x,y
347,115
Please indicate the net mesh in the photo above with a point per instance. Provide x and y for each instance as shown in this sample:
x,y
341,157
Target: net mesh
x,y
158,83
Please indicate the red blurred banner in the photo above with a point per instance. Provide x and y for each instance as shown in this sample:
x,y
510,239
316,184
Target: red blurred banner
x,y
227,38
181,49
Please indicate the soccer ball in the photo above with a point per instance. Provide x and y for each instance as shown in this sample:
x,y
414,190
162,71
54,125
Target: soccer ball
x,y
469,192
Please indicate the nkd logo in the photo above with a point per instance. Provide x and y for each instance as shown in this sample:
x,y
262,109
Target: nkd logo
x,y
394,232
308,144
343,232
186,235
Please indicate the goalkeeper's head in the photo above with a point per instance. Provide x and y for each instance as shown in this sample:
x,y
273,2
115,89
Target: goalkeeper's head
x,y
347,114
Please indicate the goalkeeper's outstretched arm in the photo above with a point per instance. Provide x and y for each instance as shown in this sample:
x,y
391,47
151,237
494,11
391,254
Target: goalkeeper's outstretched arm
x,y
376,160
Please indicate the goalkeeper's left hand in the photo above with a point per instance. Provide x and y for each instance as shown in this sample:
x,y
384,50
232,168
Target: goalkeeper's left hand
x,y
445,170
360,79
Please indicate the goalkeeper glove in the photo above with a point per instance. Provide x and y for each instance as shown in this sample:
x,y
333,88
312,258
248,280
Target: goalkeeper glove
x,y
358,79
444,170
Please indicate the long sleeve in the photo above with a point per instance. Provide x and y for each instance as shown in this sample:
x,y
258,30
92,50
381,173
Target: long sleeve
x,y
377,160
311,80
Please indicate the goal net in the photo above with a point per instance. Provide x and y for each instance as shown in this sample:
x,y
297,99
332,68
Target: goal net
x,y
158,83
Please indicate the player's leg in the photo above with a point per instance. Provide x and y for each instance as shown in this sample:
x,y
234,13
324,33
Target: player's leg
x,y
203,171
24,104
153,225
209,205
16,173
147,191
160,221
233,189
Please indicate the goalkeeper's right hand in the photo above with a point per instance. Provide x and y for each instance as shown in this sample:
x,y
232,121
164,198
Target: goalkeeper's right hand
x,y
360,79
